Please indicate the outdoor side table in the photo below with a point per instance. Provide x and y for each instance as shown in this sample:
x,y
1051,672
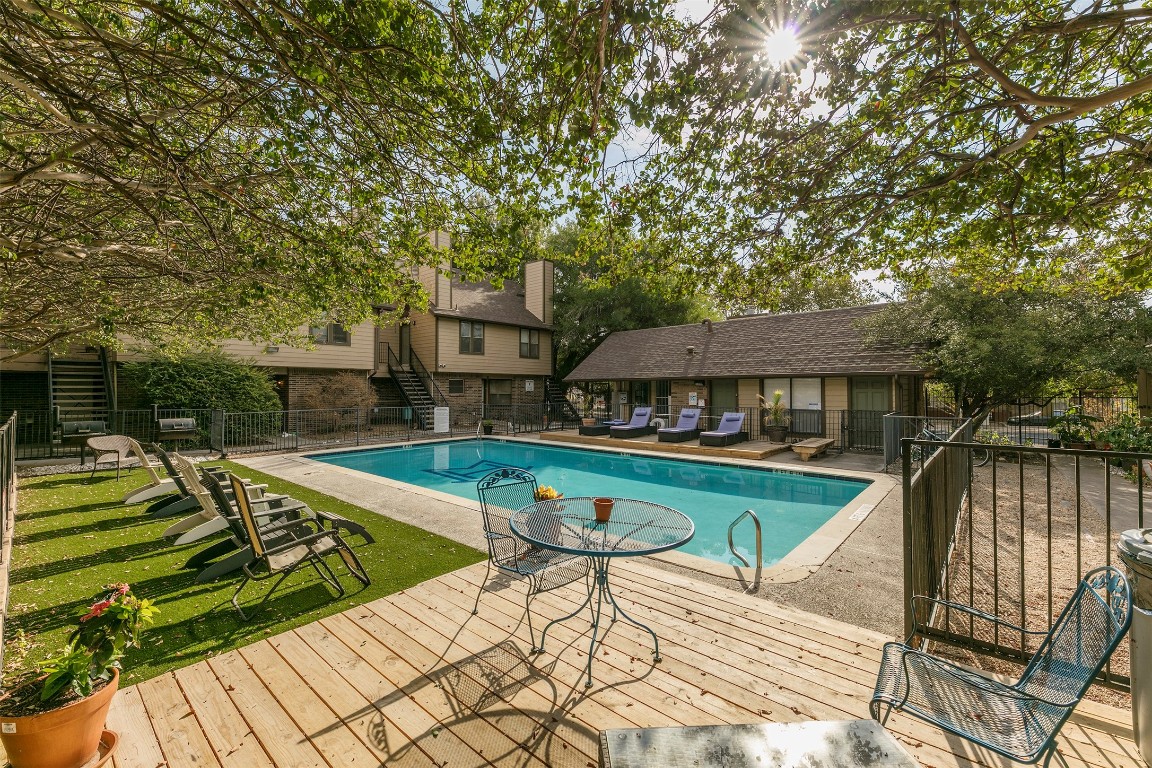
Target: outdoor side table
x,y
635,528
838,744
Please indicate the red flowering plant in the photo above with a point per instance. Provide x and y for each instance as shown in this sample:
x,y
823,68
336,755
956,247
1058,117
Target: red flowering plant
x,y
106,628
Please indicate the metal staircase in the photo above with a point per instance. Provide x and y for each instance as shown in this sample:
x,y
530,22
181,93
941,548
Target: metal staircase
x,y
80,389
554,397
416,387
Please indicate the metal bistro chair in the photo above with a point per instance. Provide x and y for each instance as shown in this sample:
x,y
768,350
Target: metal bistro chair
x,y
1021,720
501,493
272,555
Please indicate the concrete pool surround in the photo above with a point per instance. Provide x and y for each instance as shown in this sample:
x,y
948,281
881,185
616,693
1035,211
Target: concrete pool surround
x,y
438,512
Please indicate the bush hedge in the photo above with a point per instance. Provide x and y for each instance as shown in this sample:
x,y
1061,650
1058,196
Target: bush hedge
x,y
204,380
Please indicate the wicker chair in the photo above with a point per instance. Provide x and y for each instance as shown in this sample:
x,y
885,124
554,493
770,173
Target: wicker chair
x,y
501,493
1020,720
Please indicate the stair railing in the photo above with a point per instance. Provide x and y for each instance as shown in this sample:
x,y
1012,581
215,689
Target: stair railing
x,y
397,372
430,383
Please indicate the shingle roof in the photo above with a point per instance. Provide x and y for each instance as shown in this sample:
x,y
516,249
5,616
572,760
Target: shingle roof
x,y
482,301
824,343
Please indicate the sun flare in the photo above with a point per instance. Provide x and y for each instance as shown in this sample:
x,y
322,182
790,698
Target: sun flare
x,y
782,45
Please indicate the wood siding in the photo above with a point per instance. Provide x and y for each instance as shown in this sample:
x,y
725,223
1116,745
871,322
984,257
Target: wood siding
x,y
747,393
836,394
501,352
539,279
357,356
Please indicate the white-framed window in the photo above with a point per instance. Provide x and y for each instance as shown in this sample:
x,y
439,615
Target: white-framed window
x,y
471,337
804,393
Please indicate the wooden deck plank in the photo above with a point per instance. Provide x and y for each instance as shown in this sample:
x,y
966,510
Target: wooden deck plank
x,y
415,679
391,656
128,717
185,743
324,729
235,744
406,730
278,734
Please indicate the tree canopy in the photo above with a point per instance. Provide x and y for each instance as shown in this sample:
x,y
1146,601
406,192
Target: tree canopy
x,y
237,168
905,133
993,348
594,298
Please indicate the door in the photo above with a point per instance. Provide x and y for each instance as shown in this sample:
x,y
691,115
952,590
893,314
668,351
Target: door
x,y
405,344
871,399
663,399
721,398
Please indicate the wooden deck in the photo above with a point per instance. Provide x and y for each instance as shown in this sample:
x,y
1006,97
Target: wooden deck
x,y
749,449
416,680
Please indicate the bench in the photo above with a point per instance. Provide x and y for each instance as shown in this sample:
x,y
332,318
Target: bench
x,y
813,446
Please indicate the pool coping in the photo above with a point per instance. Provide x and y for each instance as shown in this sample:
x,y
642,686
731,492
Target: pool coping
x,y
803,560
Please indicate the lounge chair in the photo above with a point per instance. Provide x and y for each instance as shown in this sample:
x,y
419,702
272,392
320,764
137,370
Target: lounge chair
x,y
687,427
637,426
281,548
727,432
157,485
1018,720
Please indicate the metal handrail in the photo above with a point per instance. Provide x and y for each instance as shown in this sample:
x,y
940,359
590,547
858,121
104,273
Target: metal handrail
x,y
418,368
759,545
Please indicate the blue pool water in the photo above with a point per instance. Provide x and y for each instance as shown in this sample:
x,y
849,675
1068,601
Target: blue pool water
x,y
790,505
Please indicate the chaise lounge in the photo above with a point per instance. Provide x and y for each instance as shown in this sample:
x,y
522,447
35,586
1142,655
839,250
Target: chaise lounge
x,y
687,427
638,426
727,432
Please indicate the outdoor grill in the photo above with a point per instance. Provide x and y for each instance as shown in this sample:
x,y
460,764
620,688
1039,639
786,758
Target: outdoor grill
x,y
175,429
73,433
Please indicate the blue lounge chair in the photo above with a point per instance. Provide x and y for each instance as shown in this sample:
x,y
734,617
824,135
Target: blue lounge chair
x,y
687,427
1018,720
728,431
637,426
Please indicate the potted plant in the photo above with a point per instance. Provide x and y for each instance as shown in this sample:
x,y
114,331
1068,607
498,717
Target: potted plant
x,y
774,416
487,426
1073,427
53,716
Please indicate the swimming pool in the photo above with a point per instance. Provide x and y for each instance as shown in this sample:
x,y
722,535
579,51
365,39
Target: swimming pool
x,y
790,505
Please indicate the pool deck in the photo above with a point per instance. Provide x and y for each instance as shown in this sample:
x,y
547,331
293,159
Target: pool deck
x,y
751,450
414,680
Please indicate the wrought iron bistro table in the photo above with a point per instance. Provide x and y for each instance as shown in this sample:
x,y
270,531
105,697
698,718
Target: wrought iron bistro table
x,y
635,528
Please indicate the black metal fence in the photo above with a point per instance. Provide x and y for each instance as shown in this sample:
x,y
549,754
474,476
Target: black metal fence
x,y
1025,422
38,434
1013,538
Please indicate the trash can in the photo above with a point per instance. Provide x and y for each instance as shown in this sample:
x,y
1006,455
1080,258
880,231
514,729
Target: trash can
x,y
1135,551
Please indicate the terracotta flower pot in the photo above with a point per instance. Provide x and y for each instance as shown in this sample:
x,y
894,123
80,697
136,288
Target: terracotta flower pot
x,y
603,508
67,737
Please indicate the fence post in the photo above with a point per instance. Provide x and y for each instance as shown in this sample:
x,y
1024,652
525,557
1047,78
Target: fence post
x,y
216,432
358,426
906,463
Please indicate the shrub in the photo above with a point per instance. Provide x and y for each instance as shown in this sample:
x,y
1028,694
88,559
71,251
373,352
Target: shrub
x,y
207,380
346,389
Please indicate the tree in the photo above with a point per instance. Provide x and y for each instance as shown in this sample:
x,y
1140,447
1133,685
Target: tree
x,y
993,132
238,169
993,348
204,380
595,295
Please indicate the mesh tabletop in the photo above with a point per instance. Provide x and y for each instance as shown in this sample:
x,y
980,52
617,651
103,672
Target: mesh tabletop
x,y
635,528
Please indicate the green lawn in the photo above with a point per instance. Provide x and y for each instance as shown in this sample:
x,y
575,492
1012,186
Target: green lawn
x,y
73,536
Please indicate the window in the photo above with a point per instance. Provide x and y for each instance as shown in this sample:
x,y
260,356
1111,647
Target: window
x,y
455,386
471,338
332,333
529,343
500,392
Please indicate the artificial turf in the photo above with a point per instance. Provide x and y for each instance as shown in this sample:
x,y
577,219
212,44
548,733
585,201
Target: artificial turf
x,y
72,536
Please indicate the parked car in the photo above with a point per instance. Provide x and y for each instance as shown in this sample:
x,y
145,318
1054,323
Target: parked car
x,y
1037,419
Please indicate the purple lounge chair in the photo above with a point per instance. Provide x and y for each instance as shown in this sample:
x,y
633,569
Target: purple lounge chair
x,y
637,426
687,427
727,432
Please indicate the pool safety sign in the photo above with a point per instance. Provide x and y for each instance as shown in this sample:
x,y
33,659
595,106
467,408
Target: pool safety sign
x,y
440,419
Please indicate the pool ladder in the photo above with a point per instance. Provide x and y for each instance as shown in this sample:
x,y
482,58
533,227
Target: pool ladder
x,y
759,546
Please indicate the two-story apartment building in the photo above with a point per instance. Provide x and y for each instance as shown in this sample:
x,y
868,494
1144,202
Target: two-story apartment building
x,y
476,345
